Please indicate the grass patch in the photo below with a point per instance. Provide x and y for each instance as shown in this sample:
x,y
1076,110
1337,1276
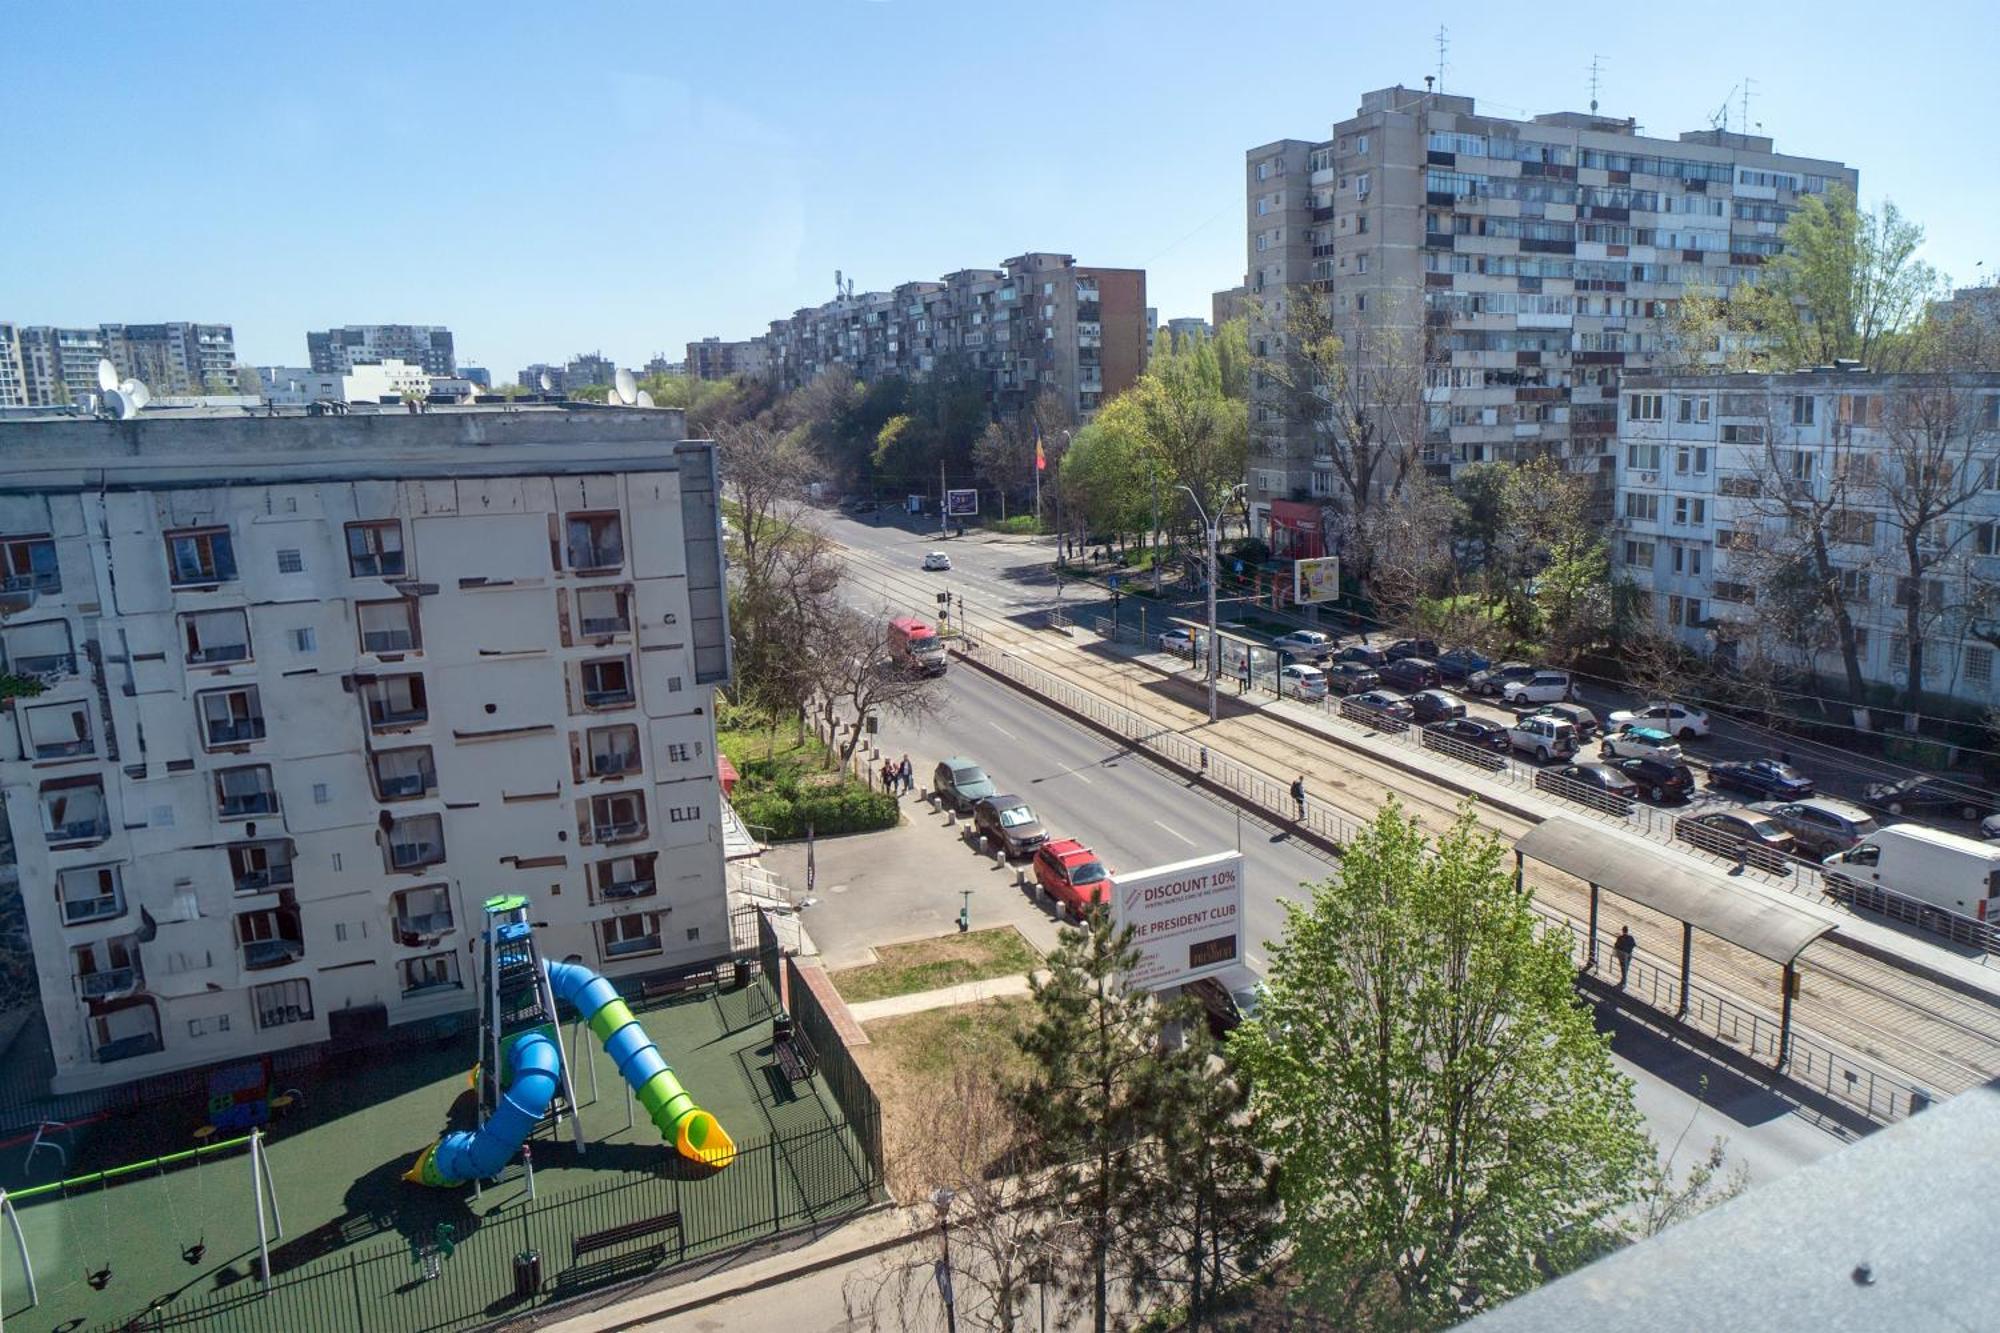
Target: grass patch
x,y
785,782
948,960
928,1045
1020,525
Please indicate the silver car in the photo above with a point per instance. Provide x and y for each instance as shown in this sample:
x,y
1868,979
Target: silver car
x,y
1818,825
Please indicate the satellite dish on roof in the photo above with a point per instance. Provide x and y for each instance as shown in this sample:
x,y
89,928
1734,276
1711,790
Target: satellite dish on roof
x,y
115,401
107,374
626,387
137,391
645,399
547,384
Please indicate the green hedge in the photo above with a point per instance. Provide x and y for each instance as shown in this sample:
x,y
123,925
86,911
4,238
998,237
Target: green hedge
x,y
788,807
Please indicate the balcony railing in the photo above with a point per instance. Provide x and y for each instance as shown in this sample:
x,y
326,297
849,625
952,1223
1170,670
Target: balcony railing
x,y
389,641
79,910
625,948
272,953
388,564
622,831
381,716
45,581
593,556
426,925
45,666
423,985
599,626
249,803
407,784
409,855
631,888
261,881
127,1048
104,985
236,731
94,829
219,652
608,698
62,749
618,761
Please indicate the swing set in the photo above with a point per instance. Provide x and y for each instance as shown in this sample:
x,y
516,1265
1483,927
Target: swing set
x,y
263,1190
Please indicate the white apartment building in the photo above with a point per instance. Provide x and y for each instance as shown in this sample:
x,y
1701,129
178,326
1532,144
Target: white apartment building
x,y
316,687
1697,458
366,382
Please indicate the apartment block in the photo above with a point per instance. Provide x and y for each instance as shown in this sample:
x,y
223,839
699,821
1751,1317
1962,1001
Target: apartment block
x,y
714,359
1041,323
1524,265
59,365
314,687
337,351
13,376
1702,467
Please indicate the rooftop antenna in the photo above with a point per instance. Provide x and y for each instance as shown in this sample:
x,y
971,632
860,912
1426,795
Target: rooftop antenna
x,y
1594,79
1720,120
107,375
1743,125
625,386
838,286
1443,45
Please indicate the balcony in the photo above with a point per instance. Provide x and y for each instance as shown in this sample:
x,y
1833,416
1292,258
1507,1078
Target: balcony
x,y
41,581
631,888
595,555
265,880
424,927
218,653
62,749
403,785
615,762
620,697
45,666
128,1048
626,948
95,828
414,855
242,805
80,911
382,641
236,731
108,984
259,954
620,831
598,627
383,717
425,985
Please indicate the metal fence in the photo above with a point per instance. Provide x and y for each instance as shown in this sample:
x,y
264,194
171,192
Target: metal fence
x,y
857,1100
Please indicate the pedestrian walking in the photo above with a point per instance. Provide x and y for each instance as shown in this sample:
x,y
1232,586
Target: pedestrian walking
x,y
889,775
907,774
1623,948
1299,795
1204,761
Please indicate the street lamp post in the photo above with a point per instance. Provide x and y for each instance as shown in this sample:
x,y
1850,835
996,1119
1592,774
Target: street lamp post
x,y
942,1198
1208,525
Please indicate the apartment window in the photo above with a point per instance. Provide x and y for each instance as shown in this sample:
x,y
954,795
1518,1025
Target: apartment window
x,y
623,877
305,640
1639,554
108,968
198,557
1724,591
1643,457
395,701
423,915
601,612
56,731
375,549
261,867
596,541
1361,302
1645,406
1852,527
1642,508
1689,511
403,775
629,936
1361,263
1361,185
607,682
683,814
230,717
202,1027
1674,611
1687,559
673,684
416,841
677,752
280,1002
613,750
617,817
1691,461
40,649
270,937
1802,409
1978,665
388,627
1854,585
1742,434
1861,409
90,893
1989,412
214,637
1361,145
1692,410
432,972
291,561
1691,610
28,564
1984,537
1933,593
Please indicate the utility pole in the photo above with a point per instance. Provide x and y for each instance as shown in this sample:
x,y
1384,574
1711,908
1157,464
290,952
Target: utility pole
x,y
944,517
1213,655
1153,475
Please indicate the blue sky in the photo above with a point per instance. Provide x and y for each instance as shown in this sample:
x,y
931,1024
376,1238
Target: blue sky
x,y
550,179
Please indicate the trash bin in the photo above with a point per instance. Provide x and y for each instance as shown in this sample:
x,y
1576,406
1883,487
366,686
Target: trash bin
x,y
527,1274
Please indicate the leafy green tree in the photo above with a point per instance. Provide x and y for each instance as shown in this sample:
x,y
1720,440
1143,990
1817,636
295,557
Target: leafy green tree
x,y
1104,475
1196,431
1558,549
1481,531
1447,1122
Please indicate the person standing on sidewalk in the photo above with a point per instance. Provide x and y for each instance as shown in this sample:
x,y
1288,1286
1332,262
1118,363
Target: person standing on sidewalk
x,y
907,775
1623,948
1299,796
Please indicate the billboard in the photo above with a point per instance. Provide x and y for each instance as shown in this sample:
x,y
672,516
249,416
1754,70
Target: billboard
x,y
1187,918
1316,580
961,504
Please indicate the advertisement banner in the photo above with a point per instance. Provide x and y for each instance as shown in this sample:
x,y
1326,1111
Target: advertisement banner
x,y
961,504
1316,580
1187,918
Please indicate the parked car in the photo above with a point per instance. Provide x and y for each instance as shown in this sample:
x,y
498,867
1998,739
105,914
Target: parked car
x,y
1660,782
1489,681
1309,643
937,560
1935,796
1349,677
1402,648
1631,742
1299,681
1383,702
1071,874
1675,719
1544,687
1178,641
1460,663
1599,786
1009,823
1411,673
1474,731
1576,715
1434,706
1989,828
958,782
860,504
1745,834
1363,655
1545,738
1761,777
1820,826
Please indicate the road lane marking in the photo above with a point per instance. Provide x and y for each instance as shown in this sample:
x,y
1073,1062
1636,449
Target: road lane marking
x,y
1002,730
1178,834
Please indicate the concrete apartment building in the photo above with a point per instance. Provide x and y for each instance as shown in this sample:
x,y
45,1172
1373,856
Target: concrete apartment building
x,y
368,382
1041,323
59,365
13,376
337,351
714,359
315,687
1698,461
1526,264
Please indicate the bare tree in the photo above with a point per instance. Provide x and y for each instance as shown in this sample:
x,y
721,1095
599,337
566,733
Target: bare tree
x,y
1004,455
853,679
1410,535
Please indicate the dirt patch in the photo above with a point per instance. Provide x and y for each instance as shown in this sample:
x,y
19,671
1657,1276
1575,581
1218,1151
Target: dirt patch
x,y
947,960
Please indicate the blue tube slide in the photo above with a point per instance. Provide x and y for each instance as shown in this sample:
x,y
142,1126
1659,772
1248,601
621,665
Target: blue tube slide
x,y
481,1153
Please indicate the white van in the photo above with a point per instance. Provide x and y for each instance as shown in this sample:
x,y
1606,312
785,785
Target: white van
x,y
1927,866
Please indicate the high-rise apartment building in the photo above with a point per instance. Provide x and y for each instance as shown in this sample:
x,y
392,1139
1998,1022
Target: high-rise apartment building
x,y
354,675
337,351
1041,323
589,368
714,359
1522,265
1720,477
59,365
13,376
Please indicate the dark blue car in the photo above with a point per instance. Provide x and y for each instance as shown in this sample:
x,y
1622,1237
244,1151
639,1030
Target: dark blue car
x,y
1459,663
1762,777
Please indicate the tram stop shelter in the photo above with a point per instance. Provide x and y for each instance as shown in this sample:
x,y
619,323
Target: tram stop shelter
x,y
1238,648
1767,926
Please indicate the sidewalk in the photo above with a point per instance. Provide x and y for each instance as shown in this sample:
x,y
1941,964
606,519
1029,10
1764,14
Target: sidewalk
x,y
948,997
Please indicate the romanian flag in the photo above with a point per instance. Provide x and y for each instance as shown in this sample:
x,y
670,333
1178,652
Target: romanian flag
x,y
1041,459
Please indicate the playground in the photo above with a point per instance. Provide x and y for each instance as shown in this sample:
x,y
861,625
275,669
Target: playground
x,y
354,1243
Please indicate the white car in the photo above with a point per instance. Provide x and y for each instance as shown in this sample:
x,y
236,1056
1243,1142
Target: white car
x,y
1302,682
1544,687
1179,642
1630,742
937,560
1674,719
1303,643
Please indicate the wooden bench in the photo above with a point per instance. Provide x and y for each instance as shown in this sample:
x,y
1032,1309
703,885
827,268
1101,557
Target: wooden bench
x,y
795,1057
594,1241
661,988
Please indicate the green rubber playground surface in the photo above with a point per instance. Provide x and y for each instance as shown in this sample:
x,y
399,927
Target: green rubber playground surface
x,y
358,1241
